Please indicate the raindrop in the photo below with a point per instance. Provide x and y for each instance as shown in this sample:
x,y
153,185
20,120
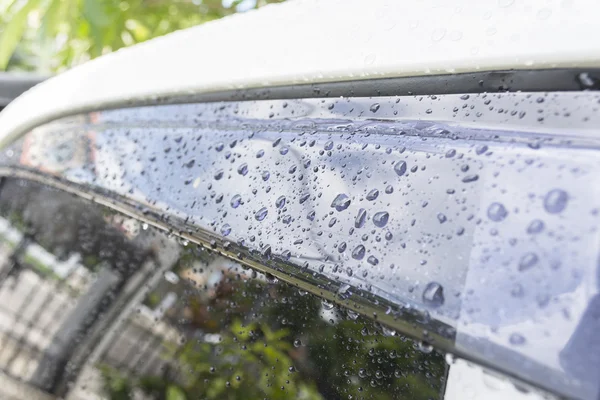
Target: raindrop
x,y
260,153
516,339
219,146
470,178
442,218
328,145
265,175
304,197
372,195
450,153
243,169
536,226
527,261
380,219
219,174
497,212
280,202
236,200
479,150
225,229
361,217
341,202
433,295
372,260
342,247
311,216
555,201
297,343
190,163
332,222
283,150
374,107
389,189
400,168
425,347
327,305
261,214
359,252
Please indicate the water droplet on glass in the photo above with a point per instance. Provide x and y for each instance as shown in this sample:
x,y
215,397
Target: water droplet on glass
x,y
535,226
450,153
497,212
374,107
265,175
441,218
527,261
297,343
372,195
332,222
555,201
327,305
219,146
470,178
361,217
243,169
311,216
425,347
225,229
372,260
342,247
516,339
260,153
479,150
219,174
283,150
359,252
280,202
433,295
328,145
341,202
261,214
380,219
190,163
400,168
236,200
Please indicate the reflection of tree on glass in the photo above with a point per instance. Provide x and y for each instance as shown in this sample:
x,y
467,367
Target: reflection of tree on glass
x,y
247,335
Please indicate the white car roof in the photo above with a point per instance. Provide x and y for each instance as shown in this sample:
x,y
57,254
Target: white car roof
x,y
308,41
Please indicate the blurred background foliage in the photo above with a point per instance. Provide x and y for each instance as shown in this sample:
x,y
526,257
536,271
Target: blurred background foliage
x,y
48,36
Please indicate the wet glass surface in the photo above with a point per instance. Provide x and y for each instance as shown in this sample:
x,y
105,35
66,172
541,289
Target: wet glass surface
x,y
465,221
177,321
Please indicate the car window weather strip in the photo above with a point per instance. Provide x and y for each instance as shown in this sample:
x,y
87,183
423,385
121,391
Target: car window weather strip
x,y
468,222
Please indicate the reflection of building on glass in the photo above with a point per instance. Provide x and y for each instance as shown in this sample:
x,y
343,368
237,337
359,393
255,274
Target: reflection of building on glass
x,y
580,358
56,151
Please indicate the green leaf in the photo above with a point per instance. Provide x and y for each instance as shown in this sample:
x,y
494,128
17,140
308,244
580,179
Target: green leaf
x,y
13,31
53,18
175,393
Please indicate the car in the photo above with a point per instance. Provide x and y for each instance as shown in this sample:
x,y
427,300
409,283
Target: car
x,y
315,200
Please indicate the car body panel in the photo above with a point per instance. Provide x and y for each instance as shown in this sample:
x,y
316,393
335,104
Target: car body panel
x,y
314,41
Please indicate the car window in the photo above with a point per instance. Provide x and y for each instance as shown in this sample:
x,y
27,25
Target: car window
x,y
465,222
100,304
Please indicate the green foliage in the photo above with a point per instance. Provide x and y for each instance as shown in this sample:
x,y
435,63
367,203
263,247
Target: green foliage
x,y
50,35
